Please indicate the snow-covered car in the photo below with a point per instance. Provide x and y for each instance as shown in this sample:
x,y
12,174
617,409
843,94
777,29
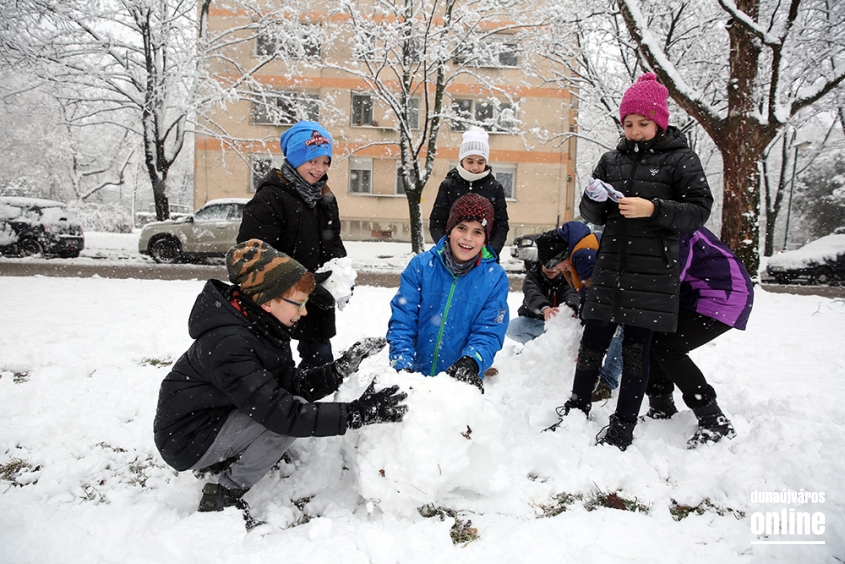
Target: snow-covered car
x,y
33,226
525,249
819,262
206,233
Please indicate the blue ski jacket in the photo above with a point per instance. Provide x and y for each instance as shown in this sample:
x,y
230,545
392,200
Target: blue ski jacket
x,y
439,317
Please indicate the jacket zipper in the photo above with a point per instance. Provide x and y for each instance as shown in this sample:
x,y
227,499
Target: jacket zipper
x,y
623,254
443,325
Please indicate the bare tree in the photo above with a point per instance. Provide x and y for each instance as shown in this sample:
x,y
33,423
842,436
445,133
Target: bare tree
x,y
774,60
142,57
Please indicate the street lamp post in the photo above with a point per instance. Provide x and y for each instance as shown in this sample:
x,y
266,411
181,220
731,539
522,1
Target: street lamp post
x,y
792,189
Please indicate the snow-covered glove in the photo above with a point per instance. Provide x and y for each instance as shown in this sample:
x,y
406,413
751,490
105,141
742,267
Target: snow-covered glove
x,y
320,277
465,369
321,298
383,406
350,360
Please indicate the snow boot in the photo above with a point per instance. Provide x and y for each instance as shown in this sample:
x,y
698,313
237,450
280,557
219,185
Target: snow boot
x,y
564,410
214,469
712,426
602,392
618,433
216,498
661,407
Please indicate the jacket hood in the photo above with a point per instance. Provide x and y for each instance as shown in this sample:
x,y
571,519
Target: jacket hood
x,y
213,309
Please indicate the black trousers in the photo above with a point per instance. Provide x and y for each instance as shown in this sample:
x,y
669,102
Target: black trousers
x,y
635,358
671,364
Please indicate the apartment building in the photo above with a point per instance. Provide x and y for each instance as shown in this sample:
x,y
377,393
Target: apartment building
x,y
309,82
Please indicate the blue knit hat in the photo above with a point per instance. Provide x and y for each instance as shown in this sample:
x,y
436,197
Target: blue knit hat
x,y
305,141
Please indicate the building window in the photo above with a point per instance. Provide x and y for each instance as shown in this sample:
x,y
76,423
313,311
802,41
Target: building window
x,y
495,116
414,113
305,44
285,108
506,176
495,51
360,176
362,109
364,48
400,186
259,167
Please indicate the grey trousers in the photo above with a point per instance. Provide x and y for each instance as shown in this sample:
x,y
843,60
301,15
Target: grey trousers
x,y
258,447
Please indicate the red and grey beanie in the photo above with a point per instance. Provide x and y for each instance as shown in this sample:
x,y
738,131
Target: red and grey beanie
x,y
648,98
471,207
262,272
305,141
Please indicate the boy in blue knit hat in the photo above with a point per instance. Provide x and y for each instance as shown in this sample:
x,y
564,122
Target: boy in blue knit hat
x,y
295,212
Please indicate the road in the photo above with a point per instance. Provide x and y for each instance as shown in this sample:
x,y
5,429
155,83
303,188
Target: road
x,y
153,271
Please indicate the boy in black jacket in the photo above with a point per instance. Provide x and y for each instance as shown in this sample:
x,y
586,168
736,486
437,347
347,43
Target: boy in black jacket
x,y
236,393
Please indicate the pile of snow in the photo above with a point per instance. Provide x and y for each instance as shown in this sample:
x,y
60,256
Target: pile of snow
x,y
81,361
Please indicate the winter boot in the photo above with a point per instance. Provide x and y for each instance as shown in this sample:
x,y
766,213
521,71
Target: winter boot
x,y
661,407
564,410
491,372
214,469
216,498
619,433
602,392
712,426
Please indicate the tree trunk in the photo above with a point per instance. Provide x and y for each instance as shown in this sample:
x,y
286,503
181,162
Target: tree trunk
x,y
415,215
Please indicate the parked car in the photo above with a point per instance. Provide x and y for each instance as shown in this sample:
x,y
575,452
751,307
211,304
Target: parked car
x,y
177,211
525,249
206,233
32,226
819,262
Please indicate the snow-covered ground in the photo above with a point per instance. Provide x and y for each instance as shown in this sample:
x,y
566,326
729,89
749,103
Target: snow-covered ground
x,y
81,361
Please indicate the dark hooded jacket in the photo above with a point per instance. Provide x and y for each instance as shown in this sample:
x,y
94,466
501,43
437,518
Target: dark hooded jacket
x,y
636,277
278,216
232,364
452,188
539,292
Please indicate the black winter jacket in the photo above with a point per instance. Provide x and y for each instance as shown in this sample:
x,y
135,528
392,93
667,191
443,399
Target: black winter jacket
x,y
231,365
278,216
636,277
539,292
452,188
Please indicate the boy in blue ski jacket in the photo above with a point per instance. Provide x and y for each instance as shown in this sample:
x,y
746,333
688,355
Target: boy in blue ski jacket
x,y
451,312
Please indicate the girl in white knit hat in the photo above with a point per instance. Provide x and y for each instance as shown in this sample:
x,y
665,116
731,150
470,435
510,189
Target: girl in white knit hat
x,y
472,175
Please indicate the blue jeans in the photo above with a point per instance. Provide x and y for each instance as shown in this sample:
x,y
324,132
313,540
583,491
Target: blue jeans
x,y
525,329
314,353
612,369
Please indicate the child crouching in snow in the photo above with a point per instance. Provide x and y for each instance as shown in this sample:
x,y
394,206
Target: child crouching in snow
x,y
451,312
237,394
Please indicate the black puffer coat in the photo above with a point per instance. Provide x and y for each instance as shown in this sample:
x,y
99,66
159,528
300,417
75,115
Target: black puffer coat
x,y
452,188
636,277
278,216
232,365
539,292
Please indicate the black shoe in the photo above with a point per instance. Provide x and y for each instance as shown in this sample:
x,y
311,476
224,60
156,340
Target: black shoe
x,y
713,426
661,407
618,433
216,498
602,392
564,410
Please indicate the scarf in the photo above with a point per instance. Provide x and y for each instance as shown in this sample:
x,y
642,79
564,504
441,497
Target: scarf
x,y
263,322
309,193
469,176
454,266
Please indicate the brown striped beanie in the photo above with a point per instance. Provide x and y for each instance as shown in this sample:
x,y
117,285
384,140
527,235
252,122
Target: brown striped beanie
x,y
262,272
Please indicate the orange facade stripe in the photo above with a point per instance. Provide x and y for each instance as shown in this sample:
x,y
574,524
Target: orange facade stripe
x,y
215,145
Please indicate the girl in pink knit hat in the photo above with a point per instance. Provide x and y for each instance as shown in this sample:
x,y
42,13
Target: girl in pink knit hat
x,y
645,193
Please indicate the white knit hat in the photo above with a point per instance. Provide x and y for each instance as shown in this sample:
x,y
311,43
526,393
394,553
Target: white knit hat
x,y
474,143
